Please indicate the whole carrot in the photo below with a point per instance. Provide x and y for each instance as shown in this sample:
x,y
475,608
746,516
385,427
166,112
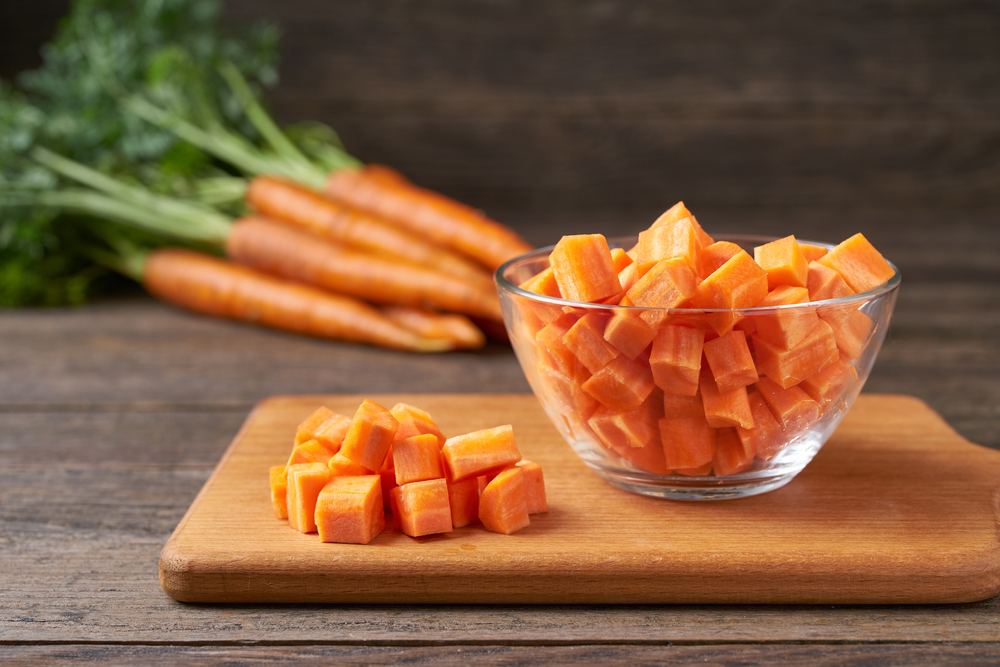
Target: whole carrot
x,y
210,285
287,252
299,206
447,326
386,193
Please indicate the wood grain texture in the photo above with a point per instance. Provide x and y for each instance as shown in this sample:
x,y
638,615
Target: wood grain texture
x,y
895,509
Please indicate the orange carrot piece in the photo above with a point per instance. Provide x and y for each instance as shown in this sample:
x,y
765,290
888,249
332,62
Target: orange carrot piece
x,y
628,332
309,211
350,510
463,498
503,504
584,268
417,458
305,480
669,283
688,442
825,283
324,425
793,407
729,359
633,429
786,327
341,466
715,255
414,421
675,359
296,255
551,342
534,485
731,455
213,286
811,252
422,508
831,383
311,451
585,339
629,276
456,329
700,471
739,283
766,438
387,477
428,214
565,389
674,240
622,385
724,408
620,259
543,283
677,405
859,263
476,453
678,212
279,491
851,328
370,435
783,261
788,367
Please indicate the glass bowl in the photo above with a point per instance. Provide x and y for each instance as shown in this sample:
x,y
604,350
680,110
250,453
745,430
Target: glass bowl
x,y
634,447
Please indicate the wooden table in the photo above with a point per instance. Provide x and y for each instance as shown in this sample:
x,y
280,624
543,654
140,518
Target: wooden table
x,y
112,416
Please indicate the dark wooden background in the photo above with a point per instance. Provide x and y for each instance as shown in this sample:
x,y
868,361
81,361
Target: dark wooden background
x,y
819,119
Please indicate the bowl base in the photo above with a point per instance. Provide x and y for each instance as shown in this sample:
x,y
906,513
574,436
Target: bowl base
x,y
695,488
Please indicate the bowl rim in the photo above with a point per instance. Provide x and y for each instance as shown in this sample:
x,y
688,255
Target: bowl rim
x,y
504,285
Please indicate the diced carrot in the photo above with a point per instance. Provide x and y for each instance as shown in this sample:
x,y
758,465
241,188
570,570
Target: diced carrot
x,y
350,510
715,255
688,442
388,479
422,508
786,327
793,407
544,283
305,480
324,425
628,332
417,458
859,263
475,453
783,262
463,498
739,283
851,327
788,367
584,268
811,252
676,405
341,466
503,504
622,385
668,284
675,359
729,359
534,485
629,276
551,341
825,283
279,491
566,390
700,471
724,408
311,451
678,212
830,384
731,455
413,421
634,436
585,339
673,240
369,436
766,438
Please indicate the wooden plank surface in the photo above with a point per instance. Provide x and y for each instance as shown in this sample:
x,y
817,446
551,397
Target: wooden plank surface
x,y
895,509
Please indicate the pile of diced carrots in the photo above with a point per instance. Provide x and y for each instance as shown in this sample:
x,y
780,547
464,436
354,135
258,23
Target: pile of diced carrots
x,y
707,389
345,473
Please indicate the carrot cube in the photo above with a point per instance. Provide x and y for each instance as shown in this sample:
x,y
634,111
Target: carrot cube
x,y
786,327
311,451
543,283
675,359
859,263
669,283
793,407
550,341
678,212
829,384
730,361
715,255
825,283
675,405
463,498
417,458
688,442
629,276
622,385
672,240
503,504
766,438
788,367
585,339
305,481
341,466
731,455
628,332
534,485
811,252
476,453
324,425
783,261
369,436
696,472
422,508
851,328
724,408
620,259
349,510
279,491
739,283
634,436
414,421
565,390
584,268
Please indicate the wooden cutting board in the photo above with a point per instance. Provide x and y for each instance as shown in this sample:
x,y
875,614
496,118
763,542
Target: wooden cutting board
x,y
896,508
